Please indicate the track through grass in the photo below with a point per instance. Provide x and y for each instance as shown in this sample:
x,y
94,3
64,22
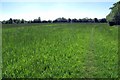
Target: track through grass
x,y
60,51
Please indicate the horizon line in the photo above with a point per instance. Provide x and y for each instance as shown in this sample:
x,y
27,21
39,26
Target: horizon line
x,y
51,19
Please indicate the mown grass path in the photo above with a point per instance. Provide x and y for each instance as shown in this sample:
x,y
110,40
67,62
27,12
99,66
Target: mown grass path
x,y
90,60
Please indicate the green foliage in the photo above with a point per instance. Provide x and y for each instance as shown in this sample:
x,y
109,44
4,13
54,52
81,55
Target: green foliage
x,y
60,51
114,15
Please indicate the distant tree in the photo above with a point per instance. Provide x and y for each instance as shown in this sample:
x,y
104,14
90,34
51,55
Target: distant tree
x,y
39,20
96,20
55,21
10,21
29,21
69,20
79,20
63,19
44,21
49,21
35,21
85,20
5,22
58,20
74,20
16,21
22,21
90,20
103,20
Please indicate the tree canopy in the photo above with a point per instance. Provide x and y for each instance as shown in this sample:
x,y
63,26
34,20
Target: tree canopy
x,y
114,15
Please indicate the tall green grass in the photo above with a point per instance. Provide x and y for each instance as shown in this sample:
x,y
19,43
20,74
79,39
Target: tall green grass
x,y
60,51
0,50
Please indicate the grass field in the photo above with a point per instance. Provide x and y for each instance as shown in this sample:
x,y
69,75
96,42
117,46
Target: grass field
x,y
60,50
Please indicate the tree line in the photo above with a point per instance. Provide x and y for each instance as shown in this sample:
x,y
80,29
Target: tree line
x,y
58,20
113,18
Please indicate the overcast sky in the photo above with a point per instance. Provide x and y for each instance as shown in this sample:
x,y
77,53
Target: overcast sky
x,y
52,10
